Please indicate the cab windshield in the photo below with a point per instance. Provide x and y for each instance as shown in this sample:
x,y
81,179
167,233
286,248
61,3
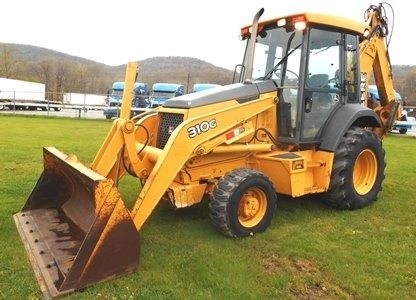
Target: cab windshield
x,y
163,94
277,55
117,94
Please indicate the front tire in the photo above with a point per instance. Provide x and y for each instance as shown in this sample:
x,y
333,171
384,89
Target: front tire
x,y
358,170
243,203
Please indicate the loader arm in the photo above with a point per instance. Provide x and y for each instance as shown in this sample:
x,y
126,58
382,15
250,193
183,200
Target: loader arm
x,y
374,58
107,161
180,148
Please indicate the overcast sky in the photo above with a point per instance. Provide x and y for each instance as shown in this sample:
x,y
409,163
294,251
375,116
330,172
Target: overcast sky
x,y
114,32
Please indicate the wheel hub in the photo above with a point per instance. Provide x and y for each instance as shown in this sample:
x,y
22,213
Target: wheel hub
x,y
252,207
365,172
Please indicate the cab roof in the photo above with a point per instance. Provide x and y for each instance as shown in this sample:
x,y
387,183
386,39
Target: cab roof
x,y
336,21
317,18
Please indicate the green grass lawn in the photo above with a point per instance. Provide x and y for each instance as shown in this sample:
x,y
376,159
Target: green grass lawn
x,y
309,251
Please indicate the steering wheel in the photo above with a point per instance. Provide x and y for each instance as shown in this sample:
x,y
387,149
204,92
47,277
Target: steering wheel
x,y
276,72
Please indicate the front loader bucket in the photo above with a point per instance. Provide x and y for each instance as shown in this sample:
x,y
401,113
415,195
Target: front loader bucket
x,y
75,227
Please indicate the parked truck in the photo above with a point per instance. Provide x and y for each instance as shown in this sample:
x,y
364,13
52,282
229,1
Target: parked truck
x,y
401,124
164,91
197,87
25,95
114,99
238,148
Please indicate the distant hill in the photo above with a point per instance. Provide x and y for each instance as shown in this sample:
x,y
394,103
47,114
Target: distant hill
x,y
63,72
34,53
34,61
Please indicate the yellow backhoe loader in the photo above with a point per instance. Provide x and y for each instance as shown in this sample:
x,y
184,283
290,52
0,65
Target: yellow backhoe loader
x,y
297,122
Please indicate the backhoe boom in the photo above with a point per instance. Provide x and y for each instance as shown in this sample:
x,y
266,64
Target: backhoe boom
x,y
374,59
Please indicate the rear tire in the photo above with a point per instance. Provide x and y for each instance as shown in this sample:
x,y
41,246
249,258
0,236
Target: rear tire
x,y
243,203
358,170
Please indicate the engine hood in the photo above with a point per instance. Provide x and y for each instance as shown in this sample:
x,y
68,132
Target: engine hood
x,y
242,92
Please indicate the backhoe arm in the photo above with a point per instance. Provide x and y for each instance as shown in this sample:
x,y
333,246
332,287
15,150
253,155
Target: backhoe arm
x,y
375,59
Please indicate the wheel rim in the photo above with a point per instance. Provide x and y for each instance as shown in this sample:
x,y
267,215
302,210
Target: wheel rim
x,y
252,207
365,172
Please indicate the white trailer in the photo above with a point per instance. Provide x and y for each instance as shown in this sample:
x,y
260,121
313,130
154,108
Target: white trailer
x,y
19,94
84,100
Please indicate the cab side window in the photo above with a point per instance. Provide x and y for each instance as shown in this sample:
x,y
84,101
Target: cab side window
x,y
322,83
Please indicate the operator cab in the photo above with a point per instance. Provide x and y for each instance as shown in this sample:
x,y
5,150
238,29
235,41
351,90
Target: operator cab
x,y
314,67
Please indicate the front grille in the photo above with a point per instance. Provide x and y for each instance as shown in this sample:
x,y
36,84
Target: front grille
x,y
168,123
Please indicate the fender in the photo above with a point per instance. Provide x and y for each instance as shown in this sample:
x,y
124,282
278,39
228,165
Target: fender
x,y
343,118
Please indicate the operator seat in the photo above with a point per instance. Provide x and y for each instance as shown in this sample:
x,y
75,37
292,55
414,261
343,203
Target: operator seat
x,y
318,84
318,81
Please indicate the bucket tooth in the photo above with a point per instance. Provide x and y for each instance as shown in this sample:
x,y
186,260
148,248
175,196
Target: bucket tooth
x,y
76,228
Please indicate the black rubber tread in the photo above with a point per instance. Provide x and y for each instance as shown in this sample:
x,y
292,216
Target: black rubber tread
x,y
341,193
223,206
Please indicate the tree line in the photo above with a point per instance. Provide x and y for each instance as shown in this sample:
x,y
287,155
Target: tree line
x,y
63,73
59,76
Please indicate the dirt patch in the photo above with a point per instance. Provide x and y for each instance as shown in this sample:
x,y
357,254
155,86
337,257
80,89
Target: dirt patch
x,y
311,291
274,264
306,266
306,279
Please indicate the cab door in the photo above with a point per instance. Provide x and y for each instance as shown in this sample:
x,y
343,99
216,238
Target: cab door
x,y
322,84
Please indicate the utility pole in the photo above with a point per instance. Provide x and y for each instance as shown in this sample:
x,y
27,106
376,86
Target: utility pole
x,y
187,82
